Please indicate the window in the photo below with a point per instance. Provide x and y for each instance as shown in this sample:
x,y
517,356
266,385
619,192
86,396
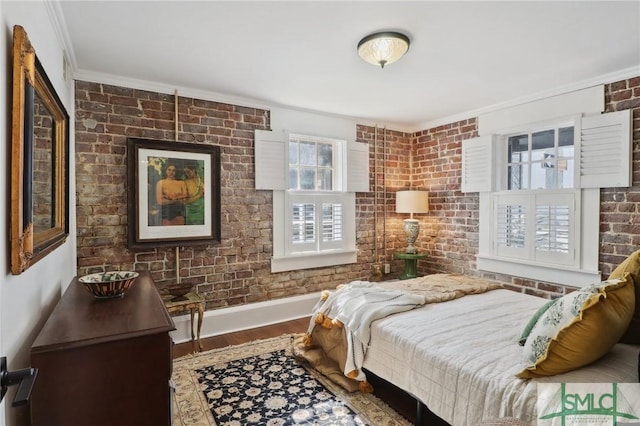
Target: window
x,y
311,165
541,160
314,197
316,200
540,203
535,210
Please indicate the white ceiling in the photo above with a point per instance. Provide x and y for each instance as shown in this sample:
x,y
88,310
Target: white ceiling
x,y
465,57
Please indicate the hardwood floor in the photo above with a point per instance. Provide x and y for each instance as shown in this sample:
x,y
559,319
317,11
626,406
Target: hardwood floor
x,y
393,396
237,338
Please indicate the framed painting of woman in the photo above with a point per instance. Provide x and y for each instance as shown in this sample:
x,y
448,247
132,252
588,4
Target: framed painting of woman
x,y
174,193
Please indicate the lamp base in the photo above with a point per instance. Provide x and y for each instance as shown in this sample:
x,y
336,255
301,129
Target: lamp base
x,y
411,230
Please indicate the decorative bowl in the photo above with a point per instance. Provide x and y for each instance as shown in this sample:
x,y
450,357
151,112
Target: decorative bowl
x,y
179,290
107,285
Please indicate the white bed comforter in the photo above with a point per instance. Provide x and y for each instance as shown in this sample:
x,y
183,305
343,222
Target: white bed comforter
x,y
460,357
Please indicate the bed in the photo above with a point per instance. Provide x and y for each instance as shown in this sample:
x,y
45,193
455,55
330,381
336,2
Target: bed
x,y
459,358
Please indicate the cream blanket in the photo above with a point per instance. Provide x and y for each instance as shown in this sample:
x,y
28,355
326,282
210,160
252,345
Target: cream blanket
x,y
355,306
345,316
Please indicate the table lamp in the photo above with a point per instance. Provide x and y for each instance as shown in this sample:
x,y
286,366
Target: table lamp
x,y
412,201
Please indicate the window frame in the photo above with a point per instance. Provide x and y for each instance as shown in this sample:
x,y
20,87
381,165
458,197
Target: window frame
x,y
272,173
316,197
531,198
602,160
336,168
531,162
577,266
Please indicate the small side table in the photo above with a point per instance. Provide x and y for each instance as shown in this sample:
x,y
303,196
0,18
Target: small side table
x,y
410,263
191,302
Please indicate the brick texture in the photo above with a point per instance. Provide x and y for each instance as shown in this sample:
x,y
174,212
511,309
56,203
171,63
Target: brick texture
x,y
451,227
390,155
237,270
620,207
234,272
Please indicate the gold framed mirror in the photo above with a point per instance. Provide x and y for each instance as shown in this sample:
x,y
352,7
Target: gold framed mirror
x,y
39,160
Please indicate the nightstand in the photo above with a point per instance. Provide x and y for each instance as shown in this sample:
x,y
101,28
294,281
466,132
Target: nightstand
x,y
191,302
410,263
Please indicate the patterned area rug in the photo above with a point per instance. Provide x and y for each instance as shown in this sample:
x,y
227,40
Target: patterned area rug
x,y
260,383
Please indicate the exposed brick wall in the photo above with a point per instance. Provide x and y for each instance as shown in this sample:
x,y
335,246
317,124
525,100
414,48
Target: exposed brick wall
x,y
620,207
233,272
452,223
390,153
237,270
451,227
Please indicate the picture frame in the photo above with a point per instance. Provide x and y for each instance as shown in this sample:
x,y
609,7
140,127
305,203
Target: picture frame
x,y
173,193
39,218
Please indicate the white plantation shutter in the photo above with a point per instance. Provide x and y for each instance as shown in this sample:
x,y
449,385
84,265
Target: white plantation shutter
x,y
333,219
552,228
317,222
303,223
270,160
511,225
537,226
478,165
303,213
358,167
303,226
555,224
605,150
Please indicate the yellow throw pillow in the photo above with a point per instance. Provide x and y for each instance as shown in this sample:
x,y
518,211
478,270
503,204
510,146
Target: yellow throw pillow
x,y
632,266
579,328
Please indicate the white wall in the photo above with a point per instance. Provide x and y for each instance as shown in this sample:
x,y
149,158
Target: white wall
x,y
26,300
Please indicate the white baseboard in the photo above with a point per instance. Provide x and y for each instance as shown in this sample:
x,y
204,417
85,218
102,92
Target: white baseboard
x,y
244,317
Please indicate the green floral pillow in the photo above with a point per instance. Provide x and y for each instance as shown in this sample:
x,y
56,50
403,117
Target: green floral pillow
x,y
533,321
579,328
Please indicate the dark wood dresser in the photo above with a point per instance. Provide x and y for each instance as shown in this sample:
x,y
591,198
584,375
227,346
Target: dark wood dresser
x,y
104,362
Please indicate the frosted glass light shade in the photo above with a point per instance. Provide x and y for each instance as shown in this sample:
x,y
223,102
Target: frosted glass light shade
x,y
383,48
412,201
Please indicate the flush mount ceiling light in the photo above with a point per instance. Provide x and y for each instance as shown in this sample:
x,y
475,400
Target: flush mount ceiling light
x,y
383,48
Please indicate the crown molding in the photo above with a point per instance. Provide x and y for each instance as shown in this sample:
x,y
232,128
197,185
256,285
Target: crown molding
x,y
60,27
603,79
132,83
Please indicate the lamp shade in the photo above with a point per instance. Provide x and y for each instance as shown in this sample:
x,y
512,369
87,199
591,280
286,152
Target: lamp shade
x,y
412,201
383,48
